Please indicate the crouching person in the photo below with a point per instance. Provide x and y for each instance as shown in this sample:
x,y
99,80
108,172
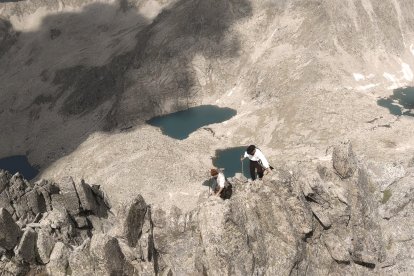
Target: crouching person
x,y
221,187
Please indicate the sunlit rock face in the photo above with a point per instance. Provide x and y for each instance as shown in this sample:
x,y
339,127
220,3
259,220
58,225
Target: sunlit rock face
x,y
306,219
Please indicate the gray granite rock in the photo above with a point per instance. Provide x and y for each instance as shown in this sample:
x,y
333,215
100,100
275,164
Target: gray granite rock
x,y
107,255
81,261
44,244
344,160
27,245
130,219
36,202
59,260
81,222
86,197
9,231
69,194
4,180
5,202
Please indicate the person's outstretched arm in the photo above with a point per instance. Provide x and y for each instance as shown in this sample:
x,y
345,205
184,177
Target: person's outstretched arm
x,y
263,160
221,181
219,191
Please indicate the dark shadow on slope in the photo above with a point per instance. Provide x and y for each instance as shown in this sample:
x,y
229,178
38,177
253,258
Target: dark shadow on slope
x,y
400,103
7,36
164,49
155,73
210,183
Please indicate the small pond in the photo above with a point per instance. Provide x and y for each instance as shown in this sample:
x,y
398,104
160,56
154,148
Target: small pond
x,y
18,163
229,160
400,103
181,124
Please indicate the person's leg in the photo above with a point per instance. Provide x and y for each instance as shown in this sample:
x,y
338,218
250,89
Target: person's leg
x,y
216,188
260,171
252,169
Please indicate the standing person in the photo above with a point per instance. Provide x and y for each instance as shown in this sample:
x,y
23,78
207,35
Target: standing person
x,y
257,162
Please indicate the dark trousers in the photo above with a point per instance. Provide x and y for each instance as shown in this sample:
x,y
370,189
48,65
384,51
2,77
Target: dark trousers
x,y
254,165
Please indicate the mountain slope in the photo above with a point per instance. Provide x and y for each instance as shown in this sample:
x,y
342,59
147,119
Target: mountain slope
x,y
79,79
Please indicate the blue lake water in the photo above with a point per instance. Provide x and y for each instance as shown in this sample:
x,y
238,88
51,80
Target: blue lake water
x,y
400,103
229,160
181,124
18,163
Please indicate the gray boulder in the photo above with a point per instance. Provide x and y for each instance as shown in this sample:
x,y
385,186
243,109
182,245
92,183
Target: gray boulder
x,y
81,222
26,248
338,249
46,197
69,194
22,209
13,268
4,180
61,223
80,261
9,231
397,198
57,202
86,197
18,186
343,159
107,255
36,202
321,214
5,202
58,263
130,219
44,245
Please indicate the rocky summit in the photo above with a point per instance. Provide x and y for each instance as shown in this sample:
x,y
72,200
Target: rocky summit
x,y
324,88
306,220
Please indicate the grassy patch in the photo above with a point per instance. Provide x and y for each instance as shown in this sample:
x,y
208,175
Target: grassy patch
x,y
386,196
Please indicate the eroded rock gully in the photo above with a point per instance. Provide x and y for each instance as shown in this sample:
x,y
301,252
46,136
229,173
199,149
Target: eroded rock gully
x,y
330,218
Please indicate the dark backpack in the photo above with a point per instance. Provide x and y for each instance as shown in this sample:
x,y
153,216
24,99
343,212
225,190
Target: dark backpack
x,y
227,191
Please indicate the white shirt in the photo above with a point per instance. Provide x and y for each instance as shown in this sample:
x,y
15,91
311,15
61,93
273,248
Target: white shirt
x,y
258,156
221,180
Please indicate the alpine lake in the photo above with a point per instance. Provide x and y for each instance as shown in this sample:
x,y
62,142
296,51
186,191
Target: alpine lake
x,y
18,163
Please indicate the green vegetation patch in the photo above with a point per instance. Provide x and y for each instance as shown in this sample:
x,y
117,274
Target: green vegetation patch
x,y
386,196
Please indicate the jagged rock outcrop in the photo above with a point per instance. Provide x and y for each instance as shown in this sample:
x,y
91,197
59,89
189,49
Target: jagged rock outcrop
x,y
310,220
130,217
343,159
9,230
41,223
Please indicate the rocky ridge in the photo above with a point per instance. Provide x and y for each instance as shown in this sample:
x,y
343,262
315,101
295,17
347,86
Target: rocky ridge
x,y
330,219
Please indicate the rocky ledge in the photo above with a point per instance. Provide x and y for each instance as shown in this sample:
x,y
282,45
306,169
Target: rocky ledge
x,y
342,217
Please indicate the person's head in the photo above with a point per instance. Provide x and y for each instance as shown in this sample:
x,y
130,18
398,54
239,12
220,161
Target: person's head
x,y
214,172
251,149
